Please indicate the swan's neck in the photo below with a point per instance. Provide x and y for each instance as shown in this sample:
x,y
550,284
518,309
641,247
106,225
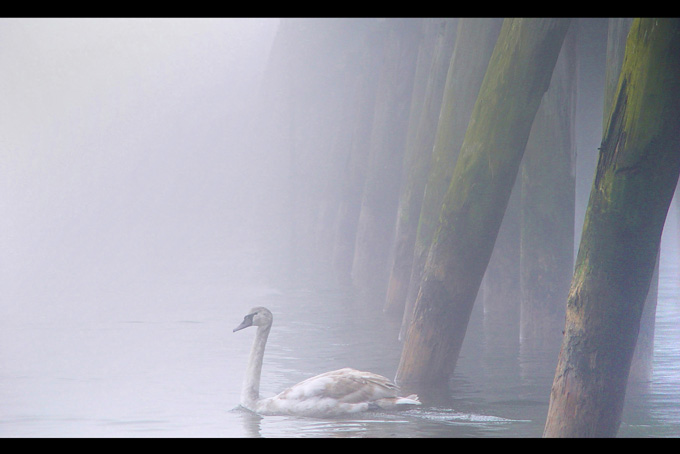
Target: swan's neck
x,y
251,386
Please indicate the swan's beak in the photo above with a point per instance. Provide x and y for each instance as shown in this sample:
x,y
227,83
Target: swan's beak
x,y
248,321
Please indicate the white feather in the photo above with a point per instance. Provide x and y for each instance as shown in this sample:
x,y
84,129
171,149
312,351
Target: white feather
x,y
342,391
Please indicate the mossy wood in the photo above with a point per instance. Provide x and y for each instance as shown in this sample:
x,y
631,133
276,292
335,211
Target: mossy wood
x,y
547,208
433,63
635,179
380,198
517,76
475,41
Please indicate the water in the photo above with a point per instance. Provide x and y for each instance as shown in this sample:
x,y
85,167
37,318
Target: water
x,y
126,178
157,358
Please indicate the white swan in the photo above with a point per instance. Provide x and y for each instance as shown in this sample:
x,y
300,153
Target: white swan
x,y
334,393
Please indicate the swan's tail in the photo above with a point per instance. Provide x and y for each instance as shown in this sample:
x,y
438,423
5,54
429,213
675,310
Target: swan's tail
x,y
395,403
409,400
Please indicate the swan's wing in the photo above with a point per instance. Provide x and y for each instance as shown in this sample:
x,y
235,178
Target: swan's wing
x,y
344,385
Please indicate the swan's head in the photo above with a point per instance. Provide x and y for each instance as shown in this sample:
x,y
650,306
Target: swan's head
x,y
257,316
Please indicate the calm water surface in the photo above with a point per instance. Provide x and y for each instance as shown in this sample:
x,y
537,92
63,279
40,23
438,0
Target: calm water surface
x,y
156,357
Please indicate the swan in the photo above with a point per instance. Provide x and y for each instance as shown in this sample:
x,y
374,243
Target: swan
x,y
342,391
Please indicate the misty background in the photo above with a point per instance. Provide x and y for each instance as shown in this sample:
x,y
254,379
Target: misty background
x,y
143,208
125,151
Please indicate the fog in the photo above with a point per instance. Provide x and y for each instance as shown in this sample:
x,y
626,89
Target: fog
x,y
124,147
158,177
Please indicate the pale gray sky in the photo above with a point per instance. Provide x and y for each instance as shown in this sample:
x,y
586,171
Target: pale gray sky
x,y
121,138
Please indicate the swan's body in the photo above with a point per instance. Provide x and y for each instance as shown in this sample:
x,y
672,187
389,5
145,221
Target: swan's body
x,y
333,393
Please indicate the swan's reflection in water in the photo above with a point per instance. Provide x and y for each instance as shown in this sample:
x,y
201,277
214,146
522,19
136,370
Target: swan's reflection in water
x,y
416,423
